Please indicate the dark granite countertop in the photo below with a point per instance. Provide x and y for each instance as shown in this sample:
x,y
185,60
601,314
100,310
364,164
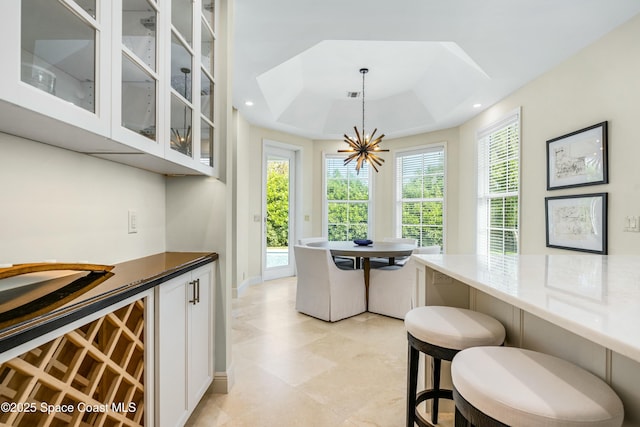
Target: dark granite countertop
x,y
33,310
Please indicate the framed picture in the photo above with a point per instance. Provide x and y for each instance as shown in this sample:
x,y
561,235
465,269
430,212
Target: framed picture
x,y
578,158
577,222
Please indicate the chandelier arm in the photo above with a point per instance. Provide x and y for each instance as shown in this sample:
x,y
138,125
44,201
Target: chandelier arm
x,y
373,165
351,157
352,146
376,159
376,142
351,142
358,134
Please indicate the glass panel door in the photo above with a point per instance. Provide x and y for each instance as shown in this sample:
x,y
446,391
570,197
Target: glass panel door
x,y
59,52
278,226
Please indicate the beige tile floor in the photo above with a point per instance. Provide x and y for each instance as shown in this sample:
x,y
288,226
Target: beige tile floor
x,y
294,370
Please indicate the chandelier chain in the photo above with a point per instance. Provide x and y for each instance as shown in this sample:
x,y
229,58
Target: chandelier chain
x,y
363,71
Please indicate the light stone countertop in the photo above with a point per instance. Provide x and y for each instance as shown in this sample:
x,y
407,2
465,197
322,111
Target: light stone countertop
x,y
594,296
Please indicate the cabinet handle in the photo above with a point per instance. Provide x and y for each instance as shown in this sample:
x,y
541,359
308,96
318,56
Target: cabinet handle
x,y
193,301
198,288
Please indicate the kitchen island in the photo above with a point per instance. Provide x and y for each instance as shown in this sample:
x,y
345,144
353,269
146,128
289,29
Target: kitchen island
x,y
131,346
583,308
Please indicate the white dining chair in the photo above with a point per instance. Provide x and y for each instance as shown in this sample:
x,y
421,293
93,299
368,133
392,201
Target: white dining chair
x,y
392,289
382,262
324,291
306,240
434,249
343,262
406,240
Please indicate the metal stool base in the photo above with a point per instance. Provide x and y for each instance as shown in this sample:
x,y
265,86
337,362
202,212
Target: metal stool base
x,y
414,398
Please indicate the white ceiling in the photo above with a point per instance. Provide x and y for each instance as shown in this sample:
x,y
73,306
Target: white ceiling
x,y
429,61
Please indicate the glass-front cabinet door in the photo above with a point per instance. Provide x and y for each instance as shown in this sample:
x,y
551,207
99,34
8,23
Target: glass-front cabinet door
x,y
58,54
52,63
181,117
207,85
136,98
192,133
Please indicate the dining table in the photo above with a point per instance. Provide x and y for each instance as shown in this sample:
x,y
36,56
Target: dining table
x,y
389,250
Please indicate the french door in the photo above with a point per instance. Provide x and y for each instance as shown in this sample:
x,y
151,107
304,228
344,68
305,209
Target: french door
x,y
279,189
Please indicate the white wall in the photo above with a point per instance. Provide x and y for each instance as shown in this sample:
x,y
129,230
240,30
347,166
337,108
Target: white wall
x,y
242,216
195,214
599,83
58,204
249,193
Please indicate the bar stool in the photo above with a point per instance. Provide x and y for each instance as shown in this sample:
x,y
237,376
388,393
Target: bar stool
x,y
441,332
523,388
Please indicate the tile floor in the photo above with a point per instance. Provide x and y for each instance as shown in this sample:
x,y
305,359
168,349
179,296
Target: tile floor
x,y
294,370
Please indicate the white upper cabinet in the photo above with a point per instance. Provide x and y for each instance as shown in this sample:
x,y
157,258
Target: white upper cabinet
x,y
208,120
53,70
137,97
190,112
126,80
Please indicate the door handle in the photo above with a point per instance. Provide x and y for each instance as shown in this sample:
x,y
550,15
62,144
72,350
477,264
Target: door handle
x,y
194,300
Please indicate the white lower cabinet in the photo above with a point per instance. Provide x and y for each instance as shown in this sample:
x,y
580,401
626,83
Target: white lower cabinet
x,y
184,344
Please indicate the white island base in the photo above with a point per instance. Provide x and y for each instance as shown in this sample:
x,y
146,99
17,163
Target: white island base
x,y
582,308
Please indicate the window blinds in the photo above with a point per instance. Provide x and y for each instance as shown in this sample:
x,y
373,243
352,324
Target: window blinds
x,y
347,200
498,186
420,187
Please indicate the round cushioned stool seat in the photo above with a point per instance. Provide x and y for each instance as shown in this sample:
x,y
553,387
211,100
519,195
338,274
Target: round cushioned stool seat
x,y
525,388
441,332
453,328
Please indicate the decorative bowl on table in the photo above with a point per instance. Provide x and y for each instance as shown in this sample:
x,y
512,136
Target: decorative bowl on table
x,y
363,242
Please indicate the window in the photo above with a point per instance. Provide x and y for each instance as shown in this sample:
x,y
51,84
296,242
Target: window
x,y
347,198
499,186
420,190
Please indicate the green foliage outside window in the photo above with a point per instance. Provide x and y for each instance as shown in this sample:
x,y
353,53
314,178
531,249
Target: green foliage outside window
x,y
277,204
347,201
422,198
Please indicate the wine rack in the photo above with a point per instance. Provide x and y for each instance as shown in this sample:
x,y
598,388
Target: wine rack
x,y
91,376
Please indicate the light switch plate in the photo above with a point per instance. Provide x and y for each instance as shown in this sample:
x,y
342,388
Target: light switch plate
x,y
133,221
632,223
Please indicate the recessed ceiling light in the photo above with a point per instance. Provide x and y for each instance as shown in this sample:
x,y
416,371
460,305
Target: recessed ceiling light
x,y
477,105
248,103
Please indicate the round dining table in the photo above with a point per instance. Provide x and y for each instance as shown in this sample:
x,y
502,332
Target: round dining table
x,y
388,250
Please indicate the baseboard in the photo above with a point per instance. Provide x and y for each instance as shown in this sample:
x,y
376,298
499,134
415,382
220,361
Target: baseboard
x,y
223,381
242,287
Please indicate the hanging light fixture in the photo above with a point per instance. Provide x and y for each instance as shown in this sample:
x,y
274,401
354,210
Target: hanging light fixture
x,y
363,146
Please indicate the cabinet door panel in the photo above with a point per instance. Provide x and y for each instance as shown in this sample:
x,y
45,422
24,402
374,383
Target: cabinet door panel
x,y
201,339
58,52
172,353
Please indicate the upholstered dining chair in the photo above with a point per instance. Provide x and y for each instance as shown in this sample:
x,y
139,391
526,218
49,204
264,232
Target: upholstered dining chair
x,y
383,262
324,291
343,262
306,240
392,290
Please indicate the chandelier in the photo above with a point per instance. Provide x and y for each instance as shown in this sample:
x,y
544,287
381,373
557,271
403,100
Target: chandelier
x,y
363,146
